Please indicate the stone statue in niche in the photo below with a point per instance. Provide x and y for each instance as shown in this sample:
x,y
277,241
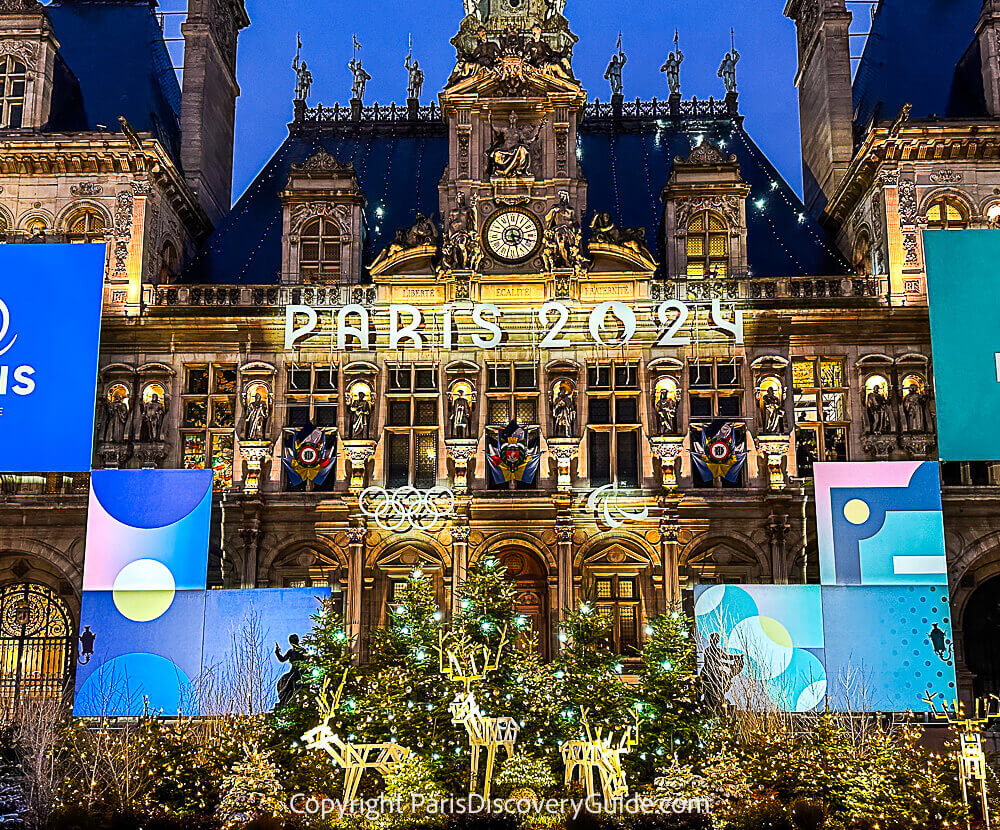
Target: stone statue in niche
x,y
666,413
561,241
564,411
877,409
118,417
151,423
361,417
915,408
461,415
258,417
772,412
510,153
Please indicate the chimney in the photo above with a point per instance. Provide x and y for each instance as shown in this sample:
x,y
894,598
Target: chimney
x,y
826,105
208,108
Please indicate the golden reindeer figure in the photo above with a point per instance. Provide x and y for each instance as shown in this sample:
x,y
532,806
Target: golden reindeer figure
x,y
971,758
598,752
483,732
354,759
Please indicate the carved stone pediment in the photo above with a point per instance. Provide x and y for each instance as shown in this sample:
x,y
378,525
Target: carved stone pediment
x,y
324,162
705,155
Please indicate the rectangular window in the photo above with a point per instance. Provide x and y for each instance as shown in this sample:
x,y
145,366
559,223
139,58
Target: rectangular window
x,y
208,419
716,390
822,419
612,418
618,599
599,458
426,461
628,458
398,463
311,397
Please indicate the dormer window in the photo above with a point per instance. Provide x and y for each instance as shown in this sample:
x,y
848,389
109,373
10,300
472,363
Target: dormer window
x,y
707,246
13,82
320,257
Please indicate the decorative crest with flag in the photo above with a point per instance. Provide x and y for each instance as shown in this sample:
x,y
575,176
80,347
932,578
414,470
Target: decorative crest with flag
x,y
719,450
311,455
513,453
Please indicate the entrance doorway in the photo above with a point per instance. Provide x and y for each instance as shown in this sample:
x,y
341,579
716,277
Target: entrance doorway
x,y
527,573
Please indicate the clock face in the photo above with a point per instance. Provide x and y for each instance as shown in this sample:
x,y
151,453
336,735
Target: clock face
x,y
513,236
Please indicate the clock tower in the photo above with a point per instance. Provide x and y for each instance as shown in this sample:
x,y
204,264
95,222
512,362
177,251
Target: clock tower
x,y
513,197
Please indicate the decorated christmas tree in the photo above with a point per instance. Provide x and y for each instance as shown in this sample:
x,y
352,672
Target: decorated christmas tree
x,y
252,791
587,675
674,720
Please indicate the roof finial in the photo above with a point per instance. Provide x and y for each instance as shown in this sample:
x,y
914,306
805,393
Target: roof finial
x,y
672,68
613,74
303,77
728,69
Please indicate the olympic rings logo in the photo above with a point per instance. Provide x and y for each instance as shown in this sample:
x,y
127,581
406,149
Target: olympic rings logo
x,y
407,507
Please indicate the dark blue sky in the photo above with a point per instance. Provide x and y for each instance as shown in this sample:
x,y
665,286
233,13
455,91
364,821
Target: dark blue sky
x,y
764,37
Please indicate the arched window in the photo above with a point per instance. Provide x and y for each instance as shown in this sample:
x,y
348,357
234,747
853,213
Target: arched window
x,y
85,226
863,255
13,80
36,229
169,262
319,251
707,247
947,213
36,646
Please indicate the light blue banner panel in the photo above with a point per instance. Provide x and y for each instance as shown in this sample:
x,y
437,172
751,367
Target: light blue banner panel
x,y
888,647
963,272
50,323
880,523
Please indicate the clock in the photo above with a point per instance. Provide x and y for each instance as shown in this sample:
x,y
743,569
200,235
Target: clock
x,y
513,236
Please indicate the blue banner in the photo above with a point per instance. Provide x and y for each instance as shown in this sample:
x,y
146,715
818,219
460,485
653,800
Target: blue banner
x,y
962,277
50,322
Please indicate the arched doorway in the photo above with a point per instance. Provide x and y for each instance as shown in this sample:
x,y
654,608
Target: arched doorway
x,y
36,645
981,633
527,573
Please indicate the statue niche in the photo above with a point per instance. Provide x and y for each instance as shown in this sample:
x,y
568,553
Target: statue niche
x,y
258,407
915,405
509,155
564,409
771,407
461,403
152,414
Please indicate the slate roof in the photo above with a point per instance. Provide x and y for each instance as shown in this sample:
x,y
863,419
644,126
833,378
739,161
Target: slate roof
x,y
922,52
113,61
626,166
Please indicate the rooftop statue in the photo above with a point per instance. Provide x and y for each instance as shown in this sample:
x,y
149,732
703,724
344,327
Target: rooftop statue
x,y
613,74
672,67
728,69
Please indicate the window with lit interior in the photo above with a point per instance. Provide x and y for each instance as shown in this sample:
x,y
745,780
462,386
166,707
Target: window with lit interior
x,y
13,81
707,246
947,213
411,427
85,226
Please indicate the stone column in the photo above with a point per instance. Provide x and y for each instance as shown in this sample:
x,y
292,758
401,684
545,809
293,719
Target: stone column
x,y
564,451
564,539
356,563
670,556
459,561
777,530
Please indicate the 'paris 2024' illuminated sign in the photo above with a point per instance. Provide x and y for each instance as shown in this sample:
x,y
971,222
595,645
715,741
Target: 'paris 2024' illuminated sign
x,y
554,325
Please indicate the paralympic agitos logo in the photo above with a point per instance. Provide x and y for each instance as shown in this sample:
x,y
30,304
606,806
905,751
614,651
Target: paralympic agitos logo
x,y
16,379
